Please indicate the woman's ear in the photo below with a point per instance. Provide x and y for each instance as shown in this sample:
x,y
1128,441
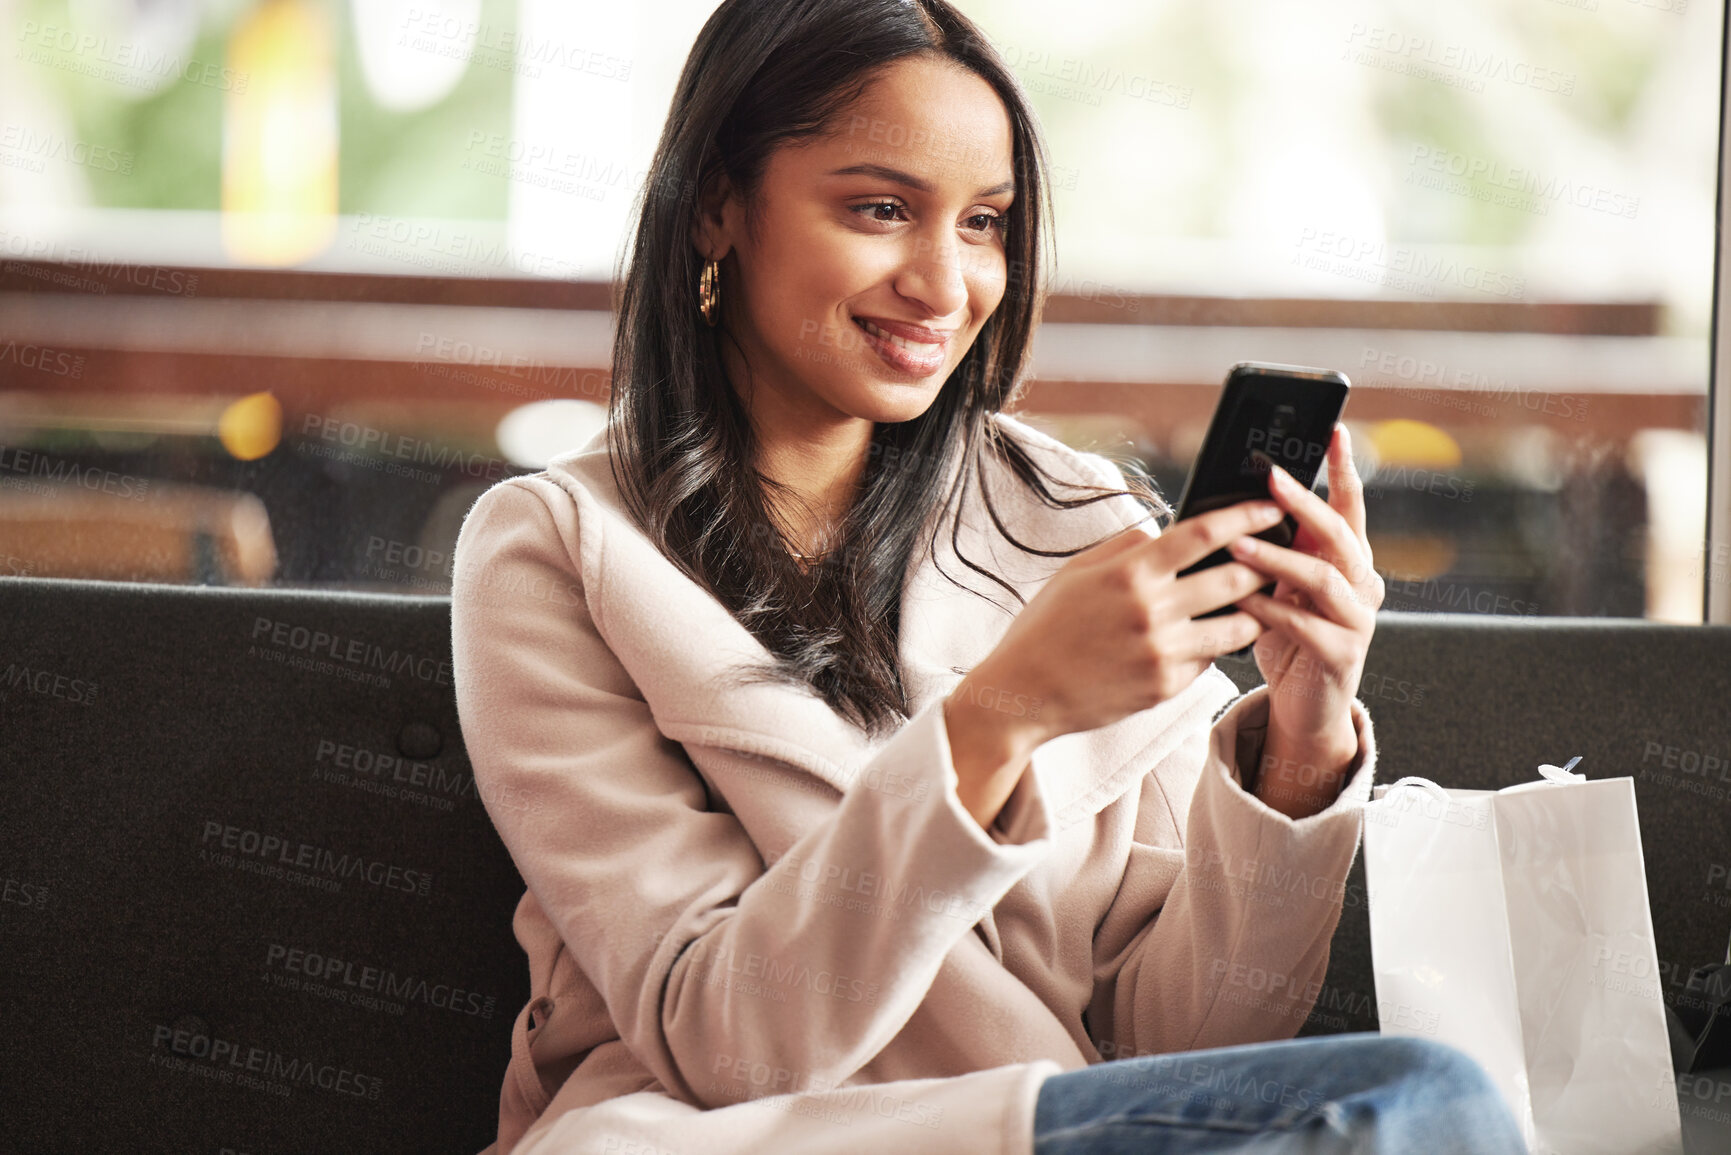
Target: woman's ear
x,y
712,231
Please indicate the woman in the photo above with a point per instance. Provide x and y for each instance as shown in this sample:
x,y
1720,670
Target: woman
x,y
830,845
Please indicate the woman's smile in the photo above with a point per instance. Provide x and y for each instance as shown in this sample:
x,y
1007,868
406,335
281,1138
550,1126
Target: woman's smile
x,y
912,349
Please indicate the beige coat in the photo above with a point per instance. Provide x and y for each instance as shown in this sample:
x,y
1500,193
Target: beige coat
x,y
751,929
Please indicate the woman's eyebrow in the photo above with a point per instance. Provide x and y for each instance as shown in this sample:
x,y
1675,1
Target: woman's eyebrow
x,y
920,184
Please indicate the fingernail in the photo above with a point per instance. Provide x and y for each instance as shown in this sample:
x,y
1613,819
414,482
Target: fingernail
x,y
1243,546
1266,511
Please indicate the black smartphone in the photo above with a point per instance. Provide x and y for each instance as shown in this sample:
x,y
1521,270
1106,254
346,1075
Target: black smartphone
x,y
1282,414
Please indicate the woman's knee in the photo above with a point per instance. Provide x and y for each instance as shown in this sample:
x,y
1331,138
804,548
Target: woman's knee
x,y
1422,1087
1433,1065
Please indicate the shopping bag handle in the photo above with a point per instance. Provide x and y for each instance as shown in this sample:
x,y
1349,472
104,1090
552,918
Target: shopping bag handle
x,y
1415,780
1564,773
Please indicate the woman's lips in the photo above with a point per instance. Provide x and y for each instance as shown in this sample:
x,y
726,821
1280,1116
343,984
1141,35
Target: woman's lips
x,y
907,348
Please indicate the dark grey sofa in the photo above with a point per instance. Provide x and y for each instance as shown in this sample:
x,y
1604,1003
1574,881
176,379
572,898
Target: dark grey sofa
x,y
253,903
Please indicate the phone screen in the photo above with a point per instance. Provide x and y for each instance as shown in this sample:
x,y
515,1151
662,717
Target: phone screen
x,y
1280,414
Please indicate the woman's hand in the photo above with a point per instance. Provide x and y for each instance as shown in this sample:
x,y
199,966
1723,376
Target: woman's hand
x,y
1111,633
1319,623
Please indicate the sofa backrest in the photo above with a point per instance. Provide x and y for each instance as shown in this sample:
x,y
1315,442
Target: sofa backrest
x,y
252,900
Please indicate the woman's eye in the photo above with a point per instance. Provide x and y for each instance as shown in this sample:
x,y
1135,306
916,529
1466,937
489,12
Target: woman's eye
x,y
884,212
891,212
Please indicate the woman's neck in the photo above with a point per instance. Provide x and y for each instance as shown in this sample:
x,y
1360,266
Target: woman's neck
x,y
822,465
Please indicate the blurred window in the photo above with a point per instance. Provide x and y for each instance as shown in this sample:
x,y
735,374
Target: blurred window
x,y
285,284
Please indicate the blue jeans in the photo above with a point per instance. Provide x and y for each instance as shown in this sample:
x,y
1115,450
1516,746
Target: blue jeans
x,y
1355,1093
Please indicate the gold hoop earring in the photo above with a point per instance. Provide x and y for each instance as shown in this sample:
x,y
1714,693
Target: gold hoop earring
x,y
709,291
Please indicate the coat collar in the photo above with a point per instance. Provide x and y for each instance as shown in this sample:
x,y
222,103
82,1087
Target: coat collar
x,y
683,648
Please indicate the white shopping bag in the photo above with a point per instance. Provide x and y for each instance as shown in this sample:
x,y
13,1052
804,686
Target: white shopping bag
x,y
1514,925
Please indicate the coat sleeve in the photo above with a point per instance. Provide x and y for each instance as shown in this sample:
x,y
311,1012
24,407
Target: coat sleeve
x,y
708,961
1237,951
1219,934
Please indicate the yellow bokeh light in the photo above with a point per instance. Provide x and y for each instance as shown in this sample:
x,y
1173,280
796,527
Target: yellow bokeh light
x,y
1414,443
251,426
279,155
1407,557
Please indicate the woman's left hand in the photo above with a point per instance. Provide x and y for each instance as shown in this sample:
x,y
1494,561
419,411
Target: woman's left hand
x,y
1318,624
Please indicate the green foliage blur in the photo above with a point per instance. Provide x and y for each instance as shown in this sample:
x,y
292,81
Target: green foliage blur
x,y
405,164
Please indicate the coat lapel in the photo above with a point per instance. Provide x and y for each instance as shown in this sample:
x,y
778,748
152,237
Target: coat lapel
x,y
684,649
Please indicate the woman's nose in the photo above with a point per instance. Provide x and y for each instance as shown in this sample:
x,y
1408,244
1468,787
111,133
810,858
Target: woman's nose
x,y
936,275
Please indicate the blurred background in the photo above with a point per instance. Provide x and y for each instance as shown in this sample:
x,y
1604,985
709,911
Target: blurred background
x,y
285,284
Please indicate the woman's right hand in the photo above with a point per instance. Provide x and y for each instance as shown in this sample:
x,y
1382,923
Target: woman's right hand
x,y
1109,634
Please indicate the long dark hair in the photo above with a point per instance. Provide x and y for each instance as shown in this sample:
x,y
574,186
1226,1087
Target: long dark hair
x,y
761,74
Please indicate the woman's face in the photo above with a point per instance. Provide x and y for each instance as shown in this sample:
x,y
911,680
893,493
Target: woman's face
x,y
876,253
